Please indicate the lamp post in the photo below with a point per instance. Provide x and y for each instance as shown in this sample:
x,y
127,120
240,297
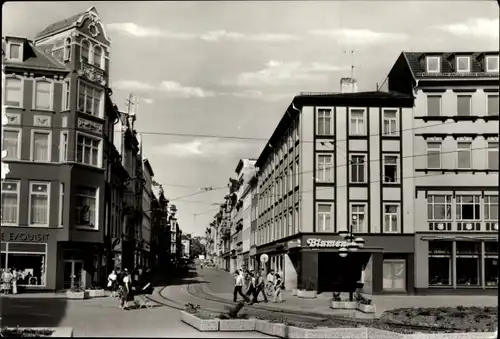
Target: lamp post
x,y
353,244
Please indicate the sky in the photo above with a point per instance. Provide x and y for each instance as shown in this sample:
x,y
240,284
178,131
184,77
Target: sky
x,y
232,68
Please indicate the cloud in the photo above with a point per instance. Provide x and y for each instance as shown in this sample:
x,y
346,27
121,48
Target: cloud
x,y
279,72
173,88
476,27
132,29
206,147
259,95
148,101
360,36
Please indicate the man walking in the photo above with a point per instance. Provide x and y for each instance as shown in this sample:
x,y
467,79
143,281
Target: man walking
x,y
238,286
260,287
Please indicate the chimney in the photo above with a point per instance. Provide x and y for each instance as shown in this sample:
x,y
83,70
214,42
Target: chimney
x,y
348,85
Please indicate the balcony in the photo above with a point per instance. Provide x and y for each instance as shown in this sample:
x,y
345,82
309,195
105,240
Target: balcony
x,y
93,73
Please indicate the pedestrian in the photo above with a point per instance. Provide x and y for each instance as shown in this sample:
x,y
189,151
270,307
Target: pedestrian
x,y
125,291
277,289
250,287
238,286
260,285
270,280
112,282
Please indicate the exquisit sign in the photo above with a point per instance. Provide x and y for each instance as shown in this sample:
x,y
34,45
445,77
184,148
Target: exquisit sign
x,y
327,243
25,237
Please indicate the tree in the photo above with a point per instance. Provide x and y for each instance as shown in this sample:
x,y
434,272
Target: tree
x,y
197,247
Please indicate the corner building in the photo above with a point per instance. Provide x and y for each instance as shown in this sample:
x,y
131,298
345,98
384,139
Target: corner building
x,y
53,198
338,160
455,143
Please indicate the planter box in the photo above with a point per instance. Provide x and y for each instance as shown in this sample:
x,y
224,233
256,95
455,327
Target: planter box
x,y
279,330
337,305
351,305
306,294
338,333
59,332
264,326
375,333
96,293
296,332
366,308
236,325
204,325
294,292
472,335
77,295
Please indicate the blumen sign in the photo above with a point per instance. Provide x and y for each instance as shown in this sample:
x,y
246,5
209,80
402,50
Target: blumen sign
x,y
312,242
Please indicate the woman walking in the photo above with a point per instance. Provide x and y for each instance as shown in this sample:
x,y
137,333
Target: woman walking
x,y
277,289
125,291
112,282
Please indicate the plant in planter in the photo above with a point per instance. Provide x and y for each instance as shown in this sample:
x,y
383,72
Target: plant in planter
x,y
233,321
308,291
77,291
364,304
336,302
192,308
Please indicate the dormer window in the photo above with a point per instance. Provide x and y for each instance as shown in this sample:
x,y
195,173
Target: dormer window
x,y
14,51
492,63
433,64
463,64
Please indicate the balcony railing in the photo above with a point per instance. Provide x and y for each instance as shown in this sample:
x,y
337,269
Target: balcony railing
x,y
93,73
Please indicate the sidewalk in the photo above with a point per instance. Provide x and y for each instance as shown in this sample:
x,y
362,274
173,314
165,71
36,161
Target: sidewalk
x,y
220,285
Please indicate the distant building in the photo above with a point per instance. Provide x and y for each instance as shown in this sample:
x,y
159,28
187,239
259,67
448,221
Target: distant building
x,y
186,245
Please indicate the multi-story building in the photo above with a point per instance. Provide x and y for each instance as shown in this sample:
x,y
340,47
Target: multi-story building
x,y
455,147
254,211
338,162
160,234
53,198
147,213
185,245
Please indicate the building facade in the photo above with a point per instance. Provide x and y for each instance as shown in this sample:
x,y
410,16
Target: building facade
x,y
186,246
147,213
455,143
53,222
338,162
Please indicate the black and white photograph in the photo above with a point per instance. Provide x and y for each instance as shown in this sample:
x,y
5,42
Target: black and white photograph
x,y
250,169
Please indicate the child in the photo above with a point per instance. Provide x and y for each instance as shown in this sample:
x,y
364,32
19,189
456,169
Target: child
x,y
277,289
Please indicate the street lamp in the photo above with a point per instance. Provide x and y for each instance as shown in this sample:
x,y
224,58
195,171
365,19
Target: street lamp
x,y
353,243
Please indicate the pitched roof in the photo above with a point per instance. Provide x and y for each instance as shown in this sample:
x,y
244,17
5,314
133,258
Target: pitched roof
x,y
60,25
35,58
416,62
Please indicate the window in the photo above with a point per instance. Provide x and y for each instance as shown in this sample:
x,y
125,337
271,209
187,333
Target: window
x,y
493,155
297,173
325,168
434,155
467,262
43,98
98,56
88,150
492,63
63,147
438,207
325,122
394,275
358,218
86,206
468,207
463,64
85,51
89,99
10,202
492,105
66,95
32,266
61,204
440,263
296,221
390,169
290,222
357,122
67,49
433,64
491,263
325,218
390,122
13,92
12,143
464,105
14,51
39,204
491,208
464,155
391,218
433,105
358,169
40,145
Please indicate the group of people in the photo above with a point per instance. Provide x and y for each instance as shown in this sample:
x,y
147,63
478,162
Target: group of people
x,y
125,285
10,279
255,284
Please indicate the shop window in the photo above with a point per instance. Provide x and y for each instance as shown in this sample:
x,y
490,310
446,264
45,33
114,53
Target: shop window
x,y
30,267
468,207
440,263
439,207
394,275
467,262
491,263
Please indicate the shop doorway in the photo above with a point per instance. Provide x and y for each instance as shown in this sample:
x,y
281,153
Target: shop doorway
x,y
336,273
72,273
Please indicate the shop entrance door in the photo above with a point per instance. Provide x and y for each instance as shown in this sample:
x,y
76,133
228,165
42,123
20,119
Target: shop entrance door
x,y
72,273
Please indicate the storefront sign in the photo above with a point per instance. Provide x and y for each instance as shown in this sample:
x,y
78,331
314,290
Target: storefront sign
x,y
326,243
25,237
